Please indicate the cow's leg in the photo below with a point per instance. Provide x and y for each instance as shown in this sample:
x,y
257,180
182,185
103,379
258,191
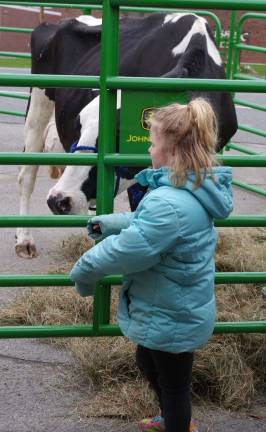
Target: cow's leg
x,y
39,114
53,144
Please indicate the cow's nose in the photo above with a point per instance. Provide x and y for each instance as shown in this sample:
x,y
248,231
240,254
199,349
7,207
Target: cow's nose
x,y
59,204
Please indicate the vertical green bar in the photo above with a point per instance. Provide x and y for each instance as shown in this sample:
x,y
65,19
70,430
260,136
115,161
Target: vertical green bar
x,y
218,31
107,138
231,45
107,116
86,11
101,306
236,52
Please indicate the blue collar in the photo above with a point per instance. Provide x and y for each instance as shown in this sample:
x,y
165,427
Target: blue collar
x,y
120,171
74,147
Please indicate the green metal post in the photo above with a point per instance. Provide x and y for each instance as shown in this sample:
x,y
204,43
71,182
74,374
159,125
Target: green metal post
x,y
86,11
231,44
107,138
107,115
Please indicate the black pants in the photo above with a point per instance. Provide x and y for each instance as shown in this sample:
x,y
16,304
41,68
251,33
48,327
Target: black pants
x,y
170,377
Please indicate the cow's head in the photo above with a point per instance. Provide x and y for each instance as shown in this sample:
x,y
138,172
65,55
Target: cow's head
x,y
75,192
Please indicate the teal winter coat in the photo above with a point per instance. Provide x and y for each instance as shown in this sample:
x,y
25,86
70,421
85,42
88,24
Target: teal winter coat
x,y
165,251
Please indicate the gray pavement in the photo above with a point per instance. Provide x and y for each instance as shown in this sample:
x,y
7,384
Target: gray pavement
x,y
40,384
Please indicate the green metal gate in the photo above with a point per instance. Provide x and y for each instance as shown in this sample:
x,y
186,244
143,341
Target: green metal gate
x,y
107,159
232,71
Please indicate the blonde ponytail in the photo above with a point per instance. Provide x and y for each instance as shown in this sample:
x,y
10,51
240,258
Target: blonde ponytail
x,y
191,130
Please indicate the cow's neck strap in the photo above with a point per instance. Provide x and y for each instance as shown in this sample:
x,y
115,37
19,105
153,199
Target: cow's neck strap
x,y
120,171
74,147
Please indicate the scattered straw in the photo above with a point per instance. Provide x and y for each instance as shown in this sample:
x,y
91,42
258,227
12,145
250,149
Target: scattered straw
x,y
228,371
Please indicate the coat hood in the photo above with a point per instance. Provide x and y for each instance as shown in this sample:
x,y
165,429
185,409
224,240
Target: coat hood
x,y
214,195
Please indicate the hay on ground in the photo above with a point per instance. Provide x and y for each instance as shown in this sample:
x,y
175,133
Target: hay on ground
x,y
228,371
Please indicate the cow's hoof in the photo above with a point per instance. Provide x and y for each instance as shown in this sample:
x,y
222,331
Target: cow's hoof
x,y
27,250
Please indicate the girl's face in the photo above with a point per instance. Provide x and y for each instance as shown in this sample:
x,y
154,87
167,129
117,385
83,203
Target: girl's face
x,y
159,151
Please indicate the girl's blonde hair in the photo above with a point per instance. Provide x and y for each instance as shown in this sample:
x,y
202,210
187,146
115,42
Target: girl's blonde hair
x,y
191,131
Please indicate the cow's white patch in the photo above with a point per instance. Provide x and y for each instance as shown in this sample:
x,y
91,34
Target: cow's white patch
x,y
174,17
69,185
89,120
199,26
89,20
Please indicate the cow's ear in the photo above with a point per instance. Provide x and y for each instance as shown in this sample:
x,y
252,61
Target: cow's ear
x,y
193,61
177,72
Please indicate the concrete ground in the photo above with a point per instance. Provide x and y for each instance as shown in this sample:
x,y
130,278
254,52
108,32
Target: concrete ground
x,y
39,385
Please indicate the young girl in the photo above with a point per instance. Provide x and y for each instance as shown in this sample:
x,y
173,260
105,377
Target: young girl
x,y
165,251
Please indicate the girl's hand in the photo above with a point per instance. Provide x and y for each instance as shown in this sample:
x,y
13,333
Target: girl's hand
x,y
96,228
85,290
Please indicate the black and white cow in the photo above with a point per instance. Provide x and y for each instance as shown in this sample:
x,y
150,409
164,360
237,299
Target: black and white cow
x,y
161,45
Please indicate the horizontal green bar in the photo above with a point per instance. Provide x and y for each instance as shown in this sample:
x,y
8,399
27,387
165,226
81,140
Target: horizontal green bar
x,y
48,331
58,280
178,84
16,158
163,9
251,15
36,80
249,187
240,327
44,221
250,48
249,104
238,277
51,4
14,95
135,83
64,280
85,330
139,160
60,3
241,76
239,221
259,5
13,113
114,159
16,29
252,130
240,148
111,159
7,221
13,54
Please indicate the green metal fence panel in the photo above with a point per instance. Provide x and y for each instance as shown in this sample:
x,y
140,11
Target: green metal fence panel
x,y
232,70
109,82
238,46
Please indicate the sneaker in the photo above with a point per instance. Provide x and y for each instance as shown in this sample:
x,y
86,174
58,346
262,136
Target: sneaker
x,y
156,424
